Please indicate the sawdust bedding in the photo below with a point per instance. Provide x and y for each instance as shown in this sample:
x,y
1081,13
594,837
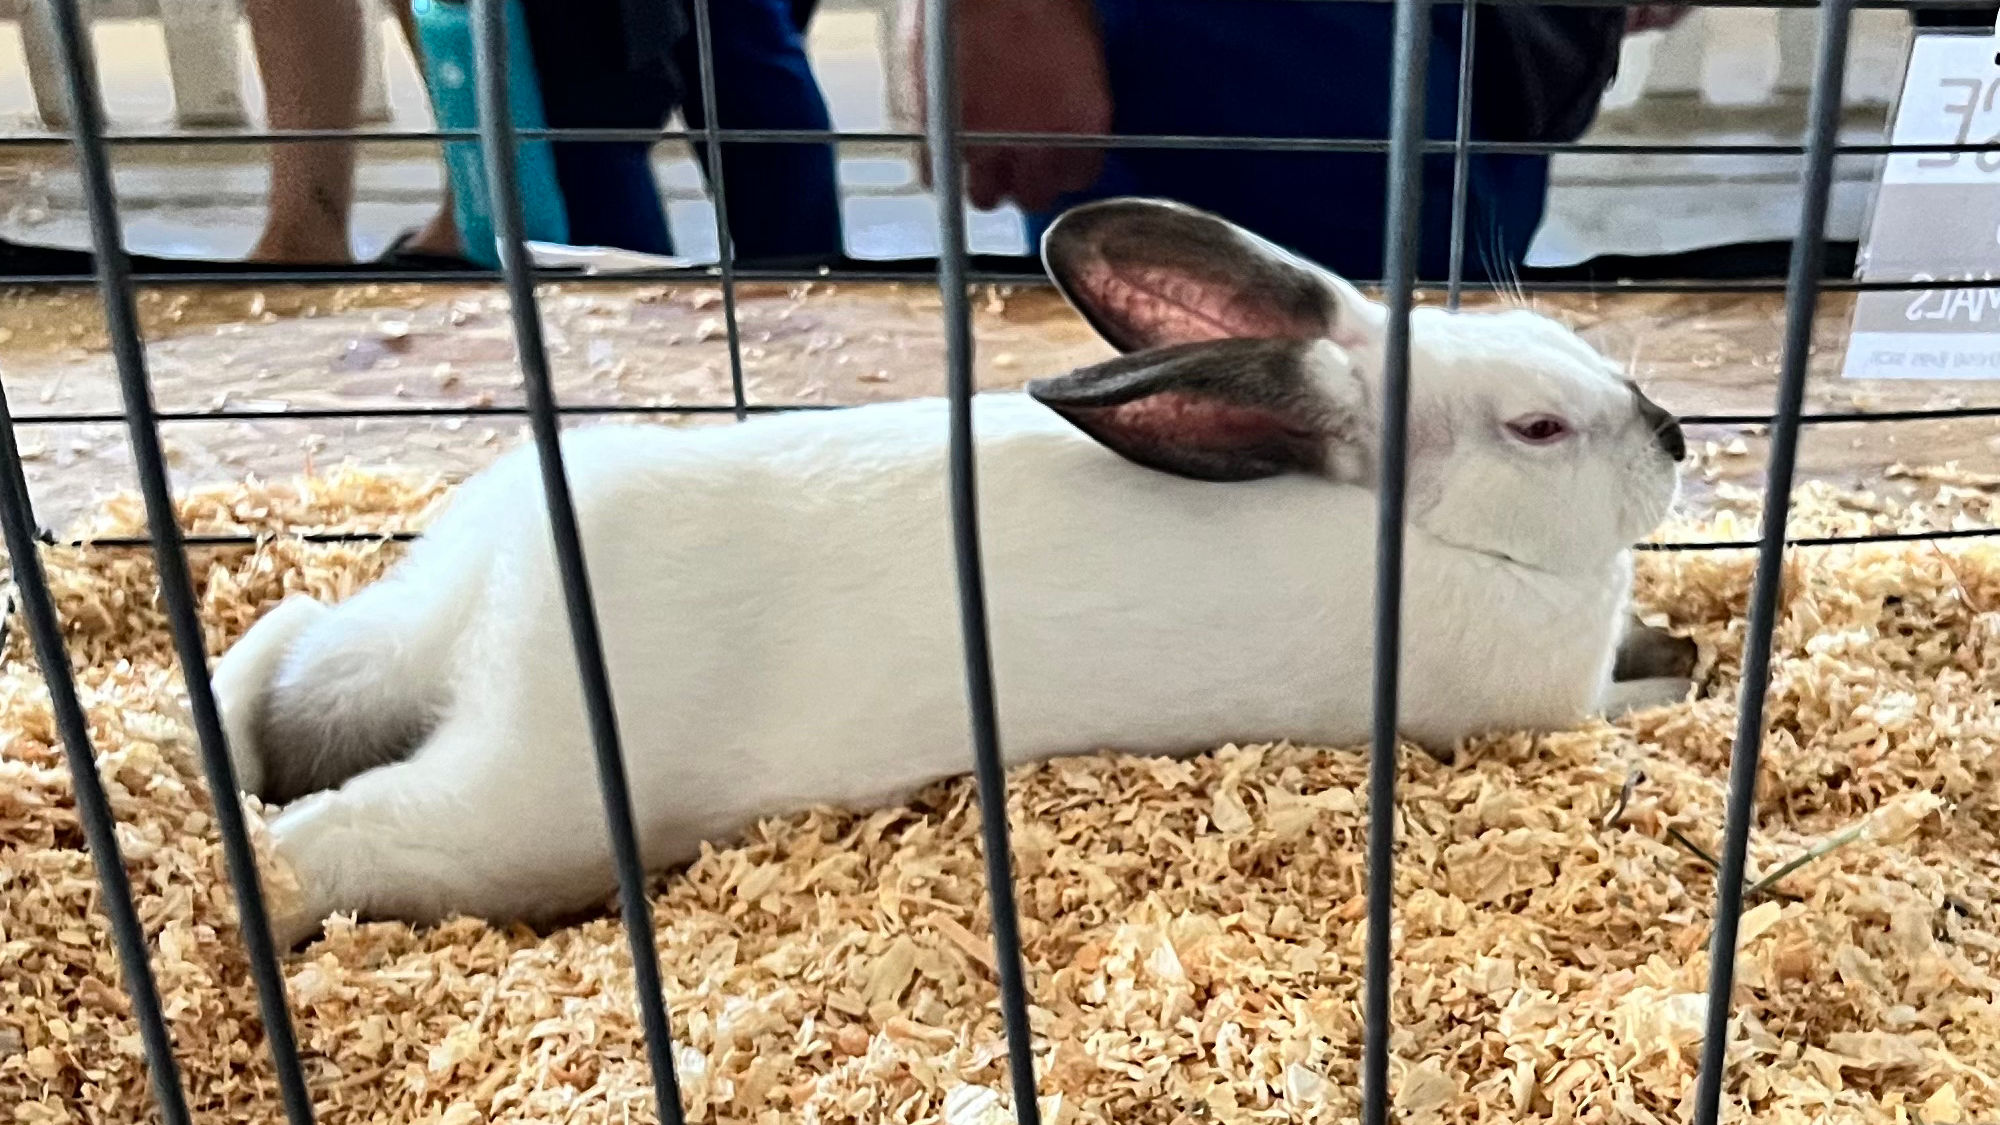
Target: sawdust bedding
x,y
1194,928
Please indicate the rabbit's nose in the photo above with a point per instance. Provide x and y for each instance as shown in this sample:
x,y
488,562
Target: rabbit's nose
x,y
1665,427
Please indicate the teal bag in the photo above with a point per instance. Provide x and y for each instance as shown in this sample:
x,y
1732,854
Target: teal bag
x,y
444,27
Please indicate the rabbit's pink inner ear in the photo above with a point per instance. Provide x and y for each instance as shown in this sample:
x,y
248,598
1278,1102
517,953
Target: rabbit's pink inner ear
x,y
1153,306
1205,437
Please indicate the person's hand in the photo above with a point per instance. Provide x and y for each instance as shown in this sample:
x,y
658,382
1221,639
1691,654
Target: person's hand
x,y
1023,66
1654,17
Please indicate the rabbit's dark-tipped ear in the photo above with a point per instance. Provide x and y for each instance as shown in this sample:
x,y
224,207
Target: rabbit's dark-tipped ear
x,y
1147,273
1221,410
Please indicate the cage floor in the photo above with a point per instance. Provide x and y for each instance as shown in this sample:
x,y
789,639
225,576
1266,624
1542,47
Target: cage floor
x,y
429,346
1196,958
1193,929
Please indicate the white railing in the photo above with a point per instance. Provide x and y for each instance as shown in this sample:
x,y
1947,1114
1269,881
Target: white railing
x,y
1676,67
205,60
204,57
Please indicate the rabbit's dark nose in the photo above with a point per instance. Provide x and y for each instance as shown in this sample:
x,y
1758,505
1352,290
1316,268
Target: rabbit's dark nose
x,y
1666,428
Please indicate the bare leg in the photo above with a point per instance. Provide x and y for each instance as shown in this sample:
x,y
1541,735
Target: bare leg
x,y
309,54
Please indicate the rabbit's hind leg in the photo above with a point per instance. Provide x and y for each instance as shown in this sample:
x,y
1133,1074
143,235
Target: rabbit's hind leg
x,y
358,688
242,679
433,836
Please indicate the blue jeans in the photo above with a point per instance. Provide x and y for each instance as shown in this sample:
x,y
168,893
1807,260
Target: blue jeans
x,y
783,199
1247,68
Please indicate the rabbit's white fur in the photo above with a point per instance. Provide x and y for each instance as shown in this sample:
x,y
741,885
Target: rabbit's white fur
x,y
778,608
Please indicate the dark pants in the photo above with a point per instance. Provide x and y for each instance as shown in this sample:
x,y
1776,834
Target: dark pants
x,y
1246,68
1952,17
783,200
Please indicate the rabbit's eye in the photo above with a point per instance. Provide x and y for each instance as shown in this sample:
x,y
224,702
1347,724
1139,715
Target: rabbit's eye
x,y
1539,429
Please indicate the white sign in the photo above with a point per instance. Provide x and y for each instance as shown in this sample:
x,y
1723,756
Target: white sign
x,y
1936,218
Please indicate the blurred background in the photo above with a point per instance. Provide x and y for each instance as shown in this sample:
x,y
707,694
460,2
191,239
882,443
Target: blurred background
x,y
1722,75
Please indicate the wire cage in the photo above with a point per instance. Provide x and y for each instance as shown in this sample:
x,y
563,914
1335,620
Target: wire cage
x,y
1406,148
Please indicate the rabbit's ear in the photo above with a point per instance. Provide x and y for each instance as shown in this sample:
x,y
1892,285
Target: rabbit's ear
x,y
1221,410
1147,273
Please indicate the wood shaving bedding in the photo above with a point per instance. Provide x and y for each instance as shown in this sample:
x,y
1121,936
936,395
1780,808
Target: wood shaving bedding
x,y
1193,928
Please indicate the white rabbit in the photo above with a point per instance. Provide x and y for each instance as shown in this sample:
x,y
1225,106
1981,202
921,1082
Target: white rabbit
x,y
1180,552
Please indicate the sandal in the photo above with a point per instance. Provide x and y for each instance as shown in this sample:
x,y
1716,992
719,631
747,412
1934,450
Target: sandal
x,y
399,257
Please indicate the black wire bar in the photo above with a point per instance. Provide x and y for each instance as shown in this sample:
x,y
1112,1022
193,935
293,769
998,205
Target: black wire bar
x,y
38,606
390,413
887,271
1801,300
1001,138
989,771
719,193
128,542
1461,157
1927,536
497,144
1405,194
598,410
169,555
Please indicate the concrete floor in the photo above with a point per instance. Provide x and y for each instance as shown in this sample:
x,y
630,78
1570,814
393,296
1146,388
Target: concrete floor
x,y
206,201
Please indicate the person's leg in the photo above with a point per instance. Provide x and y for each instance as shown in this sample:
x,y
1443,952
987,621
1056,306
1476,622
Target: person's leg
x,y
439,236
1502,216
784,199
309,54
590,79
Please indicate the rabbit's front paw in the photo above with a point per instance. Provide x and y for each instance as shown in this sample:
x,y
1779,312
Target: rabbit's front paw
x,y
1647,653
1630,696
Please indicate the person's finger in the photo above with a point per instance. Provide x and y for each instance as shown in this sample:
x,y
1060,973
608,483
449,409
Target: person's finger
x,y
1655,17
991,177
1042,176
1038,177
